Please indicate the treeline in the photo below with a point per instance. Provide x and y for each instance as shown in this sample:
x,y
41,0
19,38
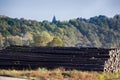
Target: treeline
x,y
98,31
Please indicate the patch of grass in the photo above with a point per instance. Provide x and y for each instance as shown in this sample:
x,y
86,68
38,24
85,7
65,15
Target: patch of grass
x,y
58,74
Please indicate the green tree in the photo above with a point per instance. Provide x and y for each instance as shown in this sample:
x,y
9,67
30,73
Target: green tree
x,y
54,20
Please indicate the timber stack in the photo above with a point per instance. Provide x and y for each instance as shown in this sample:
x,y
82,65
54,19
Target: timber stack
x,y
112,65
84,59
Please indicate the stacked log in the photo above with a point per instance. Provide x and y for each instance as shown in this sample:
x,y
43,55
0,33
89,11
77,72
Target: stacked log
x,y
112,65
85,59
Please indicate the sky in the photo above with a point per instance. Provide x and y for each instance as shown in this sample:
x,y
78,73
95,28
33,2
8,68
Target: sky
x,y
63,9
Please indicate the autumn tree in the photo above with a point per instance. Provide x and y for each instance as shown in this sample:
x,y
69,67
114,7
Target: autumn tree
x,y
1,41
15,40
42,39
56,42
27,39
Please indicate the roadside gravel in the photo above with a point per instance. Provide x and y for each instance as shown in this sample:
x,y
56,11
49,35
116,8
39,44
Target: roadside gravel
x,y
10,78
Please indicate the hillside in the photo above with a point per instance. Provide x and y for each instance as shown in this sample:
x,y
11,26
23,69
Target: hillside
x,y
98,31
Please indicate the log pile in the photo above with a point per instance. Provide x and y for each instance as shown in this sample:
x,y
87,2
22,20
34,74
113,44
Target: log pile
x,y
112,65
85,59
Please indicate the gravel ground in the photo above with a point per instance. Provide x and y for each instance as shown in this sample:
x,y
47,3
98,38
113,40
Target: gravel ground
x,y
9,78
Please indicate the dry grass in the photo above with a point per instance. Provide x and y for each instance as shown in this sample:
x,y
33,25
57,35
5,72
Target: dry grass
x,y
58,74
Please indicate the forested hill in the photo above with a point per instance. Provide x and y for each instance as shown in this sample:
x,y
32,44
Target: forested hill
x,y
98,31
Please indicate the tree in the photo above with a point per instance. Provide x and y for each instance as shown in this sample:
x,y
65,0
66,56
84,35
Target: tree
x,y
54,20
27,39
1,41
56,42
98,31
43,39
15,40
